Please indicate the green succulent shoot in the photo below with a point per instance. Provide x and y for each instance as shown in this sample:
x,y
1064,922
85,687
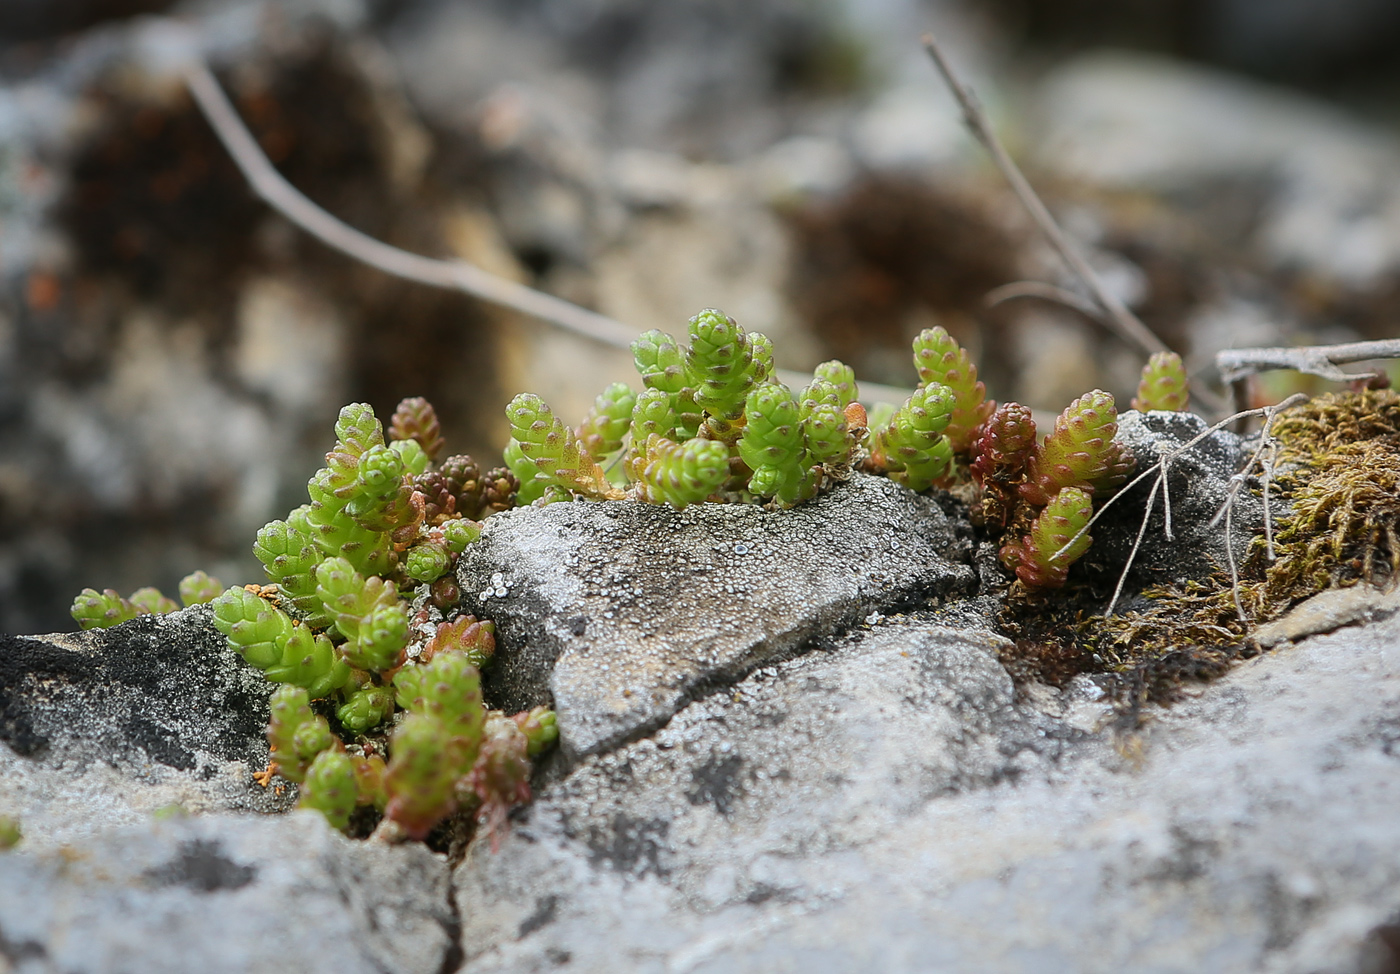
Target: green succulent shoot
x,y
330,787
295,733
1079,452
1164,384
912,449
721,367
286,651
686,473
99,610
552,451
774,448
367,612
941,360
602,430
1041,559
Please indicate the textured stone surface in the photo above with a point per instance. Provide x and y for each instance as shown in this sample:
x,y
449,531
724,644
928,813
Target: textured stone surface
x,y
623,612
225,894
868,810
104,726
1199,481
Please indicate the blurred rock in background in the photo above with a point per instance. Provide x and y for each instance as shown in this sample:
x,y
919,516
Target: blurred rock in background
x,y
173,353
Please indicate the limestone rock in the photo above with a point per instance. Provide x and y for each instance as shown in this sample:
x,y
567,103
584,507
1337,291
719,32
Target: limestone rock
x,y
103,727
889,806
225,894
622,613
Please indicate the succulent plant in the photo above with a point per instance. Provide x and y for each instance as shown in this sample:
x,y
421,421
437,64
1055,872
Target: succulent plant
x,y
552,451
1000,454
1038,559
98,610
295,733
602,431
365,708
329,787
415,419
773,446
681,474
940,360
1079,452
912,448
1164,384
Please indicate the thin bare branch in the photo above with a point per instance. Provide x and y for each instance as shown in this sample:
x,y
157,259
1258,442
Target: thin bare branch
x,y
1157,484
1322,360
1129,327
1051,293
458,275
1116,315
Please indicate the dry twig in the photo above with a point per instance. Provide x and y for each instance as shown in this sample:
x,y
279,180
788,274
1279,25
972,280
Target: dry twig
x,y
1115,313
457,275
1321,360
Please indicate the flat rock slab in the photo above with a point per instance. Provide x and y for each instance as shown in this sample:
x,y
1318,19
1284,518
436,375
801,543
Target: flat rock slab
x,y
102,727
621,613
891,806
241,895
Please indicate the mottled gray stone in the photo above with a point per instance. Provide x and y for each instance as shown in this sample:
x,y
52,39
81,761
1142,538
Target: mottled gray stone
x,y
1199,481
864,809
101,727
242,895
621,613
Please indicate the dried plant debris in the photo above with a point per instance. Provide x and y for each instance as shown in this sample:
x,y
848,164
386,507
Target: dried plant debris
x,y
1338,469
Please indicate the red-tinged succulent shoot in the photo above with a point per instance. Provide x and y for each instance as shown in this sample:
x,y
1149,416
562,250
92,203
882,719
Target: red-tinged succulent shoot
x,y
474,639
602,430
1041,559
439,500
295,733
1000,453
415,419
912,448
99,610
1163,385
941,360
198,588
421,777
540,727
329,787
500,777
1079,452
369,780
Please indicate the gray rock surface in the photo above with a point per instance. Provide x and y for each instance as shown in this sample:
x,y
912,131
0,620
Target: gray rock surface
x,y
622,613
105,726
243,895
889,806
1199,481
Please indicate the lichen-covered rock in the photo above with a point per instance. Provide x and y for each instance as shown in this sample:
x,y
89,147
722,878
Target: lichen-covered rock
x,y
225,895
1199,481
624,612
889,805
102,727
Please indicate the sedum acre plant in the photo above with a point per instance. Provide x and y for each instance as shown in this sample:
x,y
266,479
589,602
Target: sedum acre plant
x,y
360,627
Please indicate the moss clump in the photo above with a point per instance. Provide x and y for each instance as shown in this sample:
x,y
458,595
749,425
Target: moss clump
x,y
1339,469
